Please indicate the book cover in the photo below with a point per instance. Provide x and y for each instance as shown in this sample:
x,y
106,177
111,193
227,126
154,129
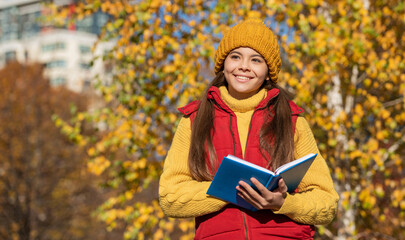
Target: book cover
x,y
234,169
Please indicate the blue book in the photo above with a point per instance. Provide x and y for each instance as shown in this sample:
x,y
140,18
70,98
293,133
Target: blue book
x,y
234,169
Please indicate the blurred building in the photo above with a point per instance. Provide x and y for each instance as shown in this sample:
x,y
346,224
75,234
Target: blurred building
x,y
65,52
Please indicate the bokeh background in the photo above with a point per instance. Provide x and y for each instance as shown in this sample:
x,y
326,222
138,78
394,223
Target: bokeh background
x,y
90,91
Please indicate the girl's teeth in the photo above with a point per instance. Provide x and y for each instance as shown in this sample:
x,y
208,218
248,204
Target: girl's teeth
x,y
242,78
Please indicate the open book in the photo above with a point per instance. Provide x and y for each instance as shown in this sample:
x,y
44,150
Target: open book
x,y
234,169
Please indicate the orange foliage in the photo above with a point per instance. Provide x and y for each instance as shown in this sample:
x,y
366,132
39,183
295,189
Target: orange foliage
x,y
344,61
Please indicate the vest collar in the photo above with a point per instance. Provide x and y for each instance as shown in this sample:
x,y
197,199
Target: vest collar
x,y
214,94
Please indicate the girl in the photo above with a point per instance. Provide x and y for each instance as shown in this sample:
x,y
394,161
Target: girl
x,y
245,113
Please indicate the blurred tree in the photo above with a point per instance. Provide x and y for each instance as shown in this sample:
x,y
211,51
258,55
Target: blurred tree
x,y
347,70
44,192
344,61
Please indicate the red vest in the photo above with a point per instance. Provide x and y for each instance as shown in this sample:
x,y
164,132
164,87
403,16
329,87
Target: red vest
x,y
233,222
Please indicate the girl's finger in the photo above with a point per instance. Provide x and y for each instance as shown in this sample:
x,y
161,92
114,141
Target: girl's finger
x,y
246,196
262,189
249,194
253,193
282,186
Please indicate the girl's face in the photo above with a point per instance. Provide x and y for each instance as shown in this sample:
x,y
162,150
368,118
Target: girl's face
x,y
245,71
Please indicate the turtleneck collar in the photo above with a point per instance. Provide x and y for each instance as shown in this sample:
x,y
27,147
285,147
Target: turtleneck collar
x,y
243,105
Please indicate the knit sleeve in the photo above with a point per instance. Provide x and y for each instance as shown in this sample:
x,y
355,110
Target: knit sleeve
x,y
179,194
316,201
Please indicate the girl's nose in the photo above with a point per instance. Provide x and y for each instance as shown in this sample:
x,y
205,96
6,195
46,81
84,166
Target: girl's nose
x,y
244,66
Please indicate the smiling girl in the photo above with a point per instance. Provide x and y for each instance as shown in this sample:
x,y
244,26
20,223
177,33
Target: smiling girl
x,y
244,112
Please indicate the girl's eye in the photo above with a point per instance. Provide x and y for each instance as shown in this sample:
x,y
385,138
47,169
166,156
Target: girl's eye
x,y
234,56
257,60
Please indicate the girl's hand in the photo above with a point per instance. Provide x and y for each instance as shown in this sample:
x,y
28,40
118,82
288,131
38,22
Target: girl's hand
x,y
265,199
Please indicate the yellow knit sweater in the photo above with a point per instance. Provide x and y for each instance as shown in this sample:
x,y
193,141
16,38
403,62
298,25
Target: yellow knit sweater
x,y
181,196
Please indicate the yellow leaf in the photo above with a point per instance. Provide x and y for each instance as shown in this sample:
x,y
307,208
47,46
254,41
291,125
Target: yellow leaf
x,y
254,14
355,154
168,18
191,23
142,163
119,55
183,226
313,20
356,119
158,234
380,135
129,195
98,165
91,151
385,114
359,110
155,3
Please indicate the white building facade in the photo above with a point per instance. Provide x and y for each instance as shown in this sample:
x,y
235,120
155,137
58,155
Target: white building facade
x,y
65,53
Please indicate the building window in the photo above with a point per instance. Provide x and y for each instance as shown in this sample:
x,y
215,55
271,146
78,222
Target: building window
x,y
85,24
29,25
53,47
84,49
84,65
9,24
58,81
10,56
86,84
56,64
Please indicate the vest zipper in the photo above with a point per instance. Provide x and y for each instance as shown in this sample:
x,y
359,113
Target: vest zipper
x,y
247,138
245,224
234,153
233,136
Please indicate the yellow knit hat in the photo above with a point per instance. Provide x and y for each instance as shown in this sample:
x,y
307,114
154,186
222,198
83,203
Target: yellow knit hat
x,y
251,33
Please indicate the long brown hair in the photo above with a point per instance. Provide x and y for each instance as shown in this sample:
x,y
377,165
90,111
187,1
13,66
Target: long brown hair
x,y
276,134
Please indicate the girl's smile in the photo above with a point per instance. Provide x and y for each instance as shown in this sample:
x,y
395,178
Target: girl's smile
x,y
242,78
